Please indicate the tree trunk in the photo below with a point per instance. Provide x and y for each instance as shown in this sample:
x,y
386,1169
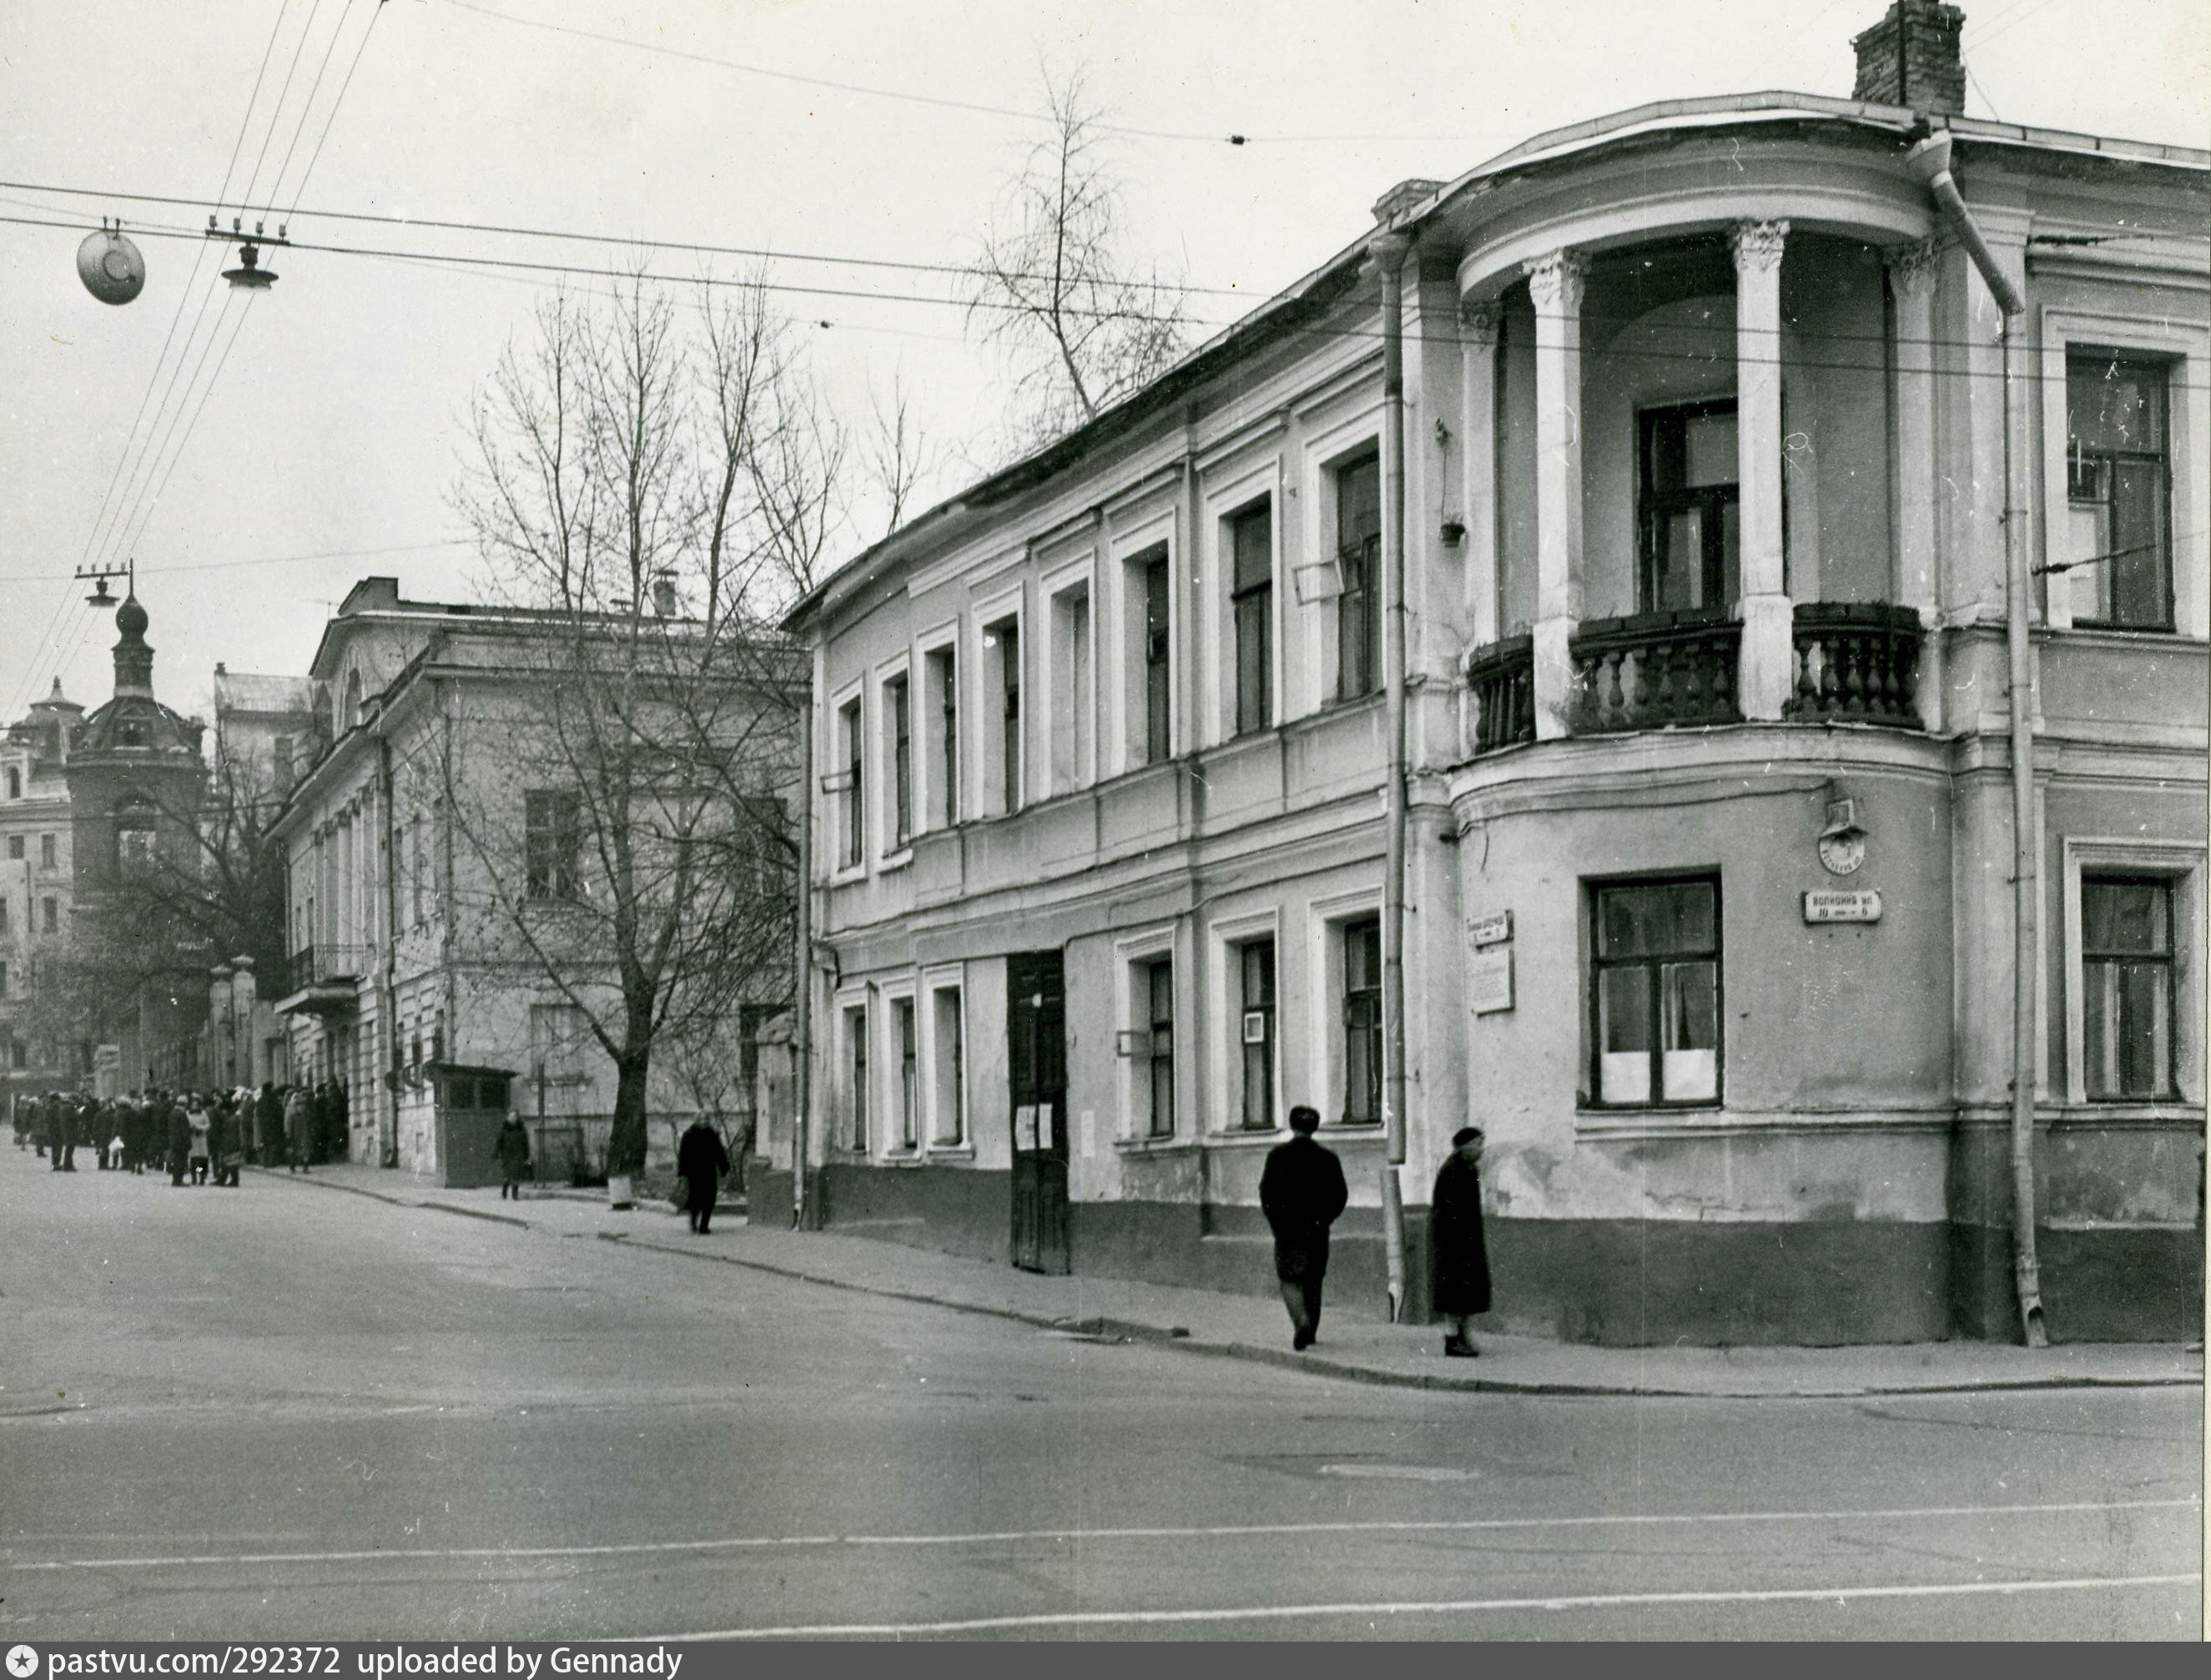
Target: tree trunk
x,y
626,1144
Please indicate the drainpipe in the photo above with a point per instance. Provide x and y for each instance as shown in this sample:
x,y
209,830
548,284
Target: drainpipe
x,y
803,979
1389,250
1931,160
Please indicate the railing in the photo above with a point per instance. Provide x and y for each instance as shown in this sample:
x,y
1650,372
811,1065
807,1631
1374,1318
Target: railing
x,y
1654,670
1503,678
1856,662
327,964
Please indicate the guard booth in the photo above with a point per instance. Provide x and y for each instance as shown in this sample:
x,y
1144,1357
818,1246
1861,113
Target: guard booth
x,y
449,1121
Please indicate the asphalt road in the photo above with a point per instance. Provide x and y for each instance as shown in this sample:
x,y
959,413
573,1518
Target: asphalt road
x,y
285,1412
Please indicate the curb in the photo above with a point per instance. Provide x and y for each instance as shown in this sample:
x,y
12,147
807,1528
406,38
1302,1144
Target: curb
x,y
1102,1328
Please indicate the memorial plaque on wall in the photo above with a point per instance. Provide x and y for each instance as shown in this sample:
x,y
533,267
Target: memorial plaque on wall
x,y
1489,980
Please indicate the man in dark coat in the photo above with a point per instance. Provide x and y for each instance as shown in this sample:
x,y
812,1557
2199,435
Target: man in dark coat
x,y
701,1159
1301,1192
178,1127
513,1152
1461,1260
267,1126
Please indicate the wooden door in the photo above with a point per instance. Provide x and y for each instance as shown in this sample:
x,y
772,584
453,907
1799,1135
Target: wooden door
x,y
1036,1029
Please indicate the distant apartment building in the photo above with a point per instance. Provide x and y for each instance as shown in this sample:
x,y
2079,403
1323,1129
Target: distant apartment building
x,y
35,893
1707,421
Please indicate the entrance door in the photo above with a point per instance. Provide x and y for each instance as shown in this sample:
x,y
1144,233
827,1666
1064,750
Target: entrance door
x,y
1036,1034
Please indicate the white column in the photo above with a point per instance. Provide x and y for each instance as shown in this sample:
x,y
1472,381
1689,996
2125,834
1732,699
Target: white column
x,y
1767,665
1912,273
1556,283
1477,335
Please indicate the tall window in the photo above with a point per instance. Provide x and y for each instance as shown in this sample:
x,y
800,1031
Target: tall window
x,y
15,846
421,871
15,783
1256,1030
896,704
553,840
944,687
46,851
1362,1022
855,783
1691,507
1159,583
51,914
1071,688
1251,599
856,1074
902,1027
1002,645
951,1119
1159,1003
2126,976
1359,553
2118,492
1657,992
4,918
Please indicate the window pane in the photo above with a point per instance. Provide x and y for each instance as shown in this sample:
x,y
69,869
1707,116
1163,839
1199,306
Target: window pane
x,y
2138,543
1254,566
2144,1015
2100,1027
1359,502
1623,1010
1709,451
1689,1031
2113,403
1689,917
2088,539
2121,917
1680,560
1253,661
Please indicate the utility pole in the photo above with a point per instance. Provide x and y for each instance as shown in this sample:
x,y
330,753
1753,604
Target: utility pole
x,y
1389,250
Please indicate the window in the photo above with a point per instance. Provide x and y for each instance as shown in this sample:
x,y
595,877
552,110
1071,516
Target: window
x,y
46,851
551,822
1158,1004
856,1074
942,673
3,980
1362,1022
2118,540
898,713
15,783
1691,516
1251,604
1657,992
4,918
1002,644
1359,553
951,1112
852,783
422,873
1158,584
2126,976
50,913
1256,1031
15,846
902,1030
1071,711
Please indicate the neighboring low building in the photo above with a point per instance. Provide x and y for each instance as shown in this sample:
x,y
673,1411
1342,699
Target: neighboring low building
x,y
1707,426
435,869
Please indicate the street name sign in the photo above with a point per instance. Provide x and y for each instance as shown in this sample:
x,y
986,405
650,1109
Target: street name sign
x,y
1833,906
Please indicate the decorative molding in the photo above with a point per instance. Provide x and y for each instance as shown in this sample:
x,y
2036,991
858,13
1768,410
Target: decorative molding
x,y
1757,245
1478,323
1555,281
1913,267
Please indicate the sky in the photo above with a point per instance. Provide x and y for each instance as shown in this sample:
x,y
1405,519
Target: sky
x,y
330,427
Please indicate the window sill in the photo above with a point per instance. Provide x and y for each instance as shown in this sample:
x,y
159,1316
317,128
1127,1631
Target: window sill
x,y
847,875
951,1152
1360,1128
895,861
1169,1145
902,1157
1242,1139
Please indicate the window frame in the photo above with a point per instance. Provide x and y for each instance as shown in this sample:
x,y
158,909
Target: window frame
x,y
2081,353
1370,596
1135,958
902,1066
1595,965
856,1019
2183,864
552,848
1252,714
1268,1049
1653,506
1002,754
1071,680
937,1079
1345,998
937,765
895,719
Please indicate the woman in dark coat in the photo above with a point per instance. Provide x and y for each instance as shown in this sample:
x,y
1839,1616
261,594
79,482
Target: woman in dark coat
x,y
701,1158
513,1152
1461,1260
180,1141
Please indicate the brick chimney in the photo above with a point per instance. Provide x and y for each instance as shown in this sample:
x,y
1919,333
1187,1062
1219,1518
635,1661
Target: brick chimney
x,y
1910,58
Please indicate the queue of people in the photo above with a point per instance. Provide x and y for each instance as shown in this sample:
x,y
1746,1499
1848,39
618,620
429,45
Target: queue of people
x,y
198,1137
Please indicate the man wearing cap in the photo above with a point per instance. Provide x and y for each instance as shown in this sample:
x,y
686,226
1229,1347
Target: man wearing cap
x,y
1301,1192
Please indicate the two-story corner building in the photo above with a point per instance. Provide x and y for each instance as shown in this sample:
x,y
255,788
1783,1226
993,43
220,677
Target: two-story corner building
x,y
35,890
1706,417
409,988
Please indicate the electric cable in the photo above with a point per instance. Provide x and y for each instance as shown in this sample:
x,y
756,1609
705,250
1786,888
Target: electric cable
x,y
315,156
283,91
253,99
307,109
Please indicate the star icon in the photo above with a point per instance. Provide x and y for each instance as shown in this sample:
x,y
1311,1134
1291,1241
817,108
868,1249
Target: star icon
x,y
23,1662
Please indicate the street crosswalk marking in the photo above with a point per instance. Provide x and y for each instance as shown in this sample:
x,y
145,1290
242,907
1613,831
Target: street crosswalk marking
x,y
1091,1536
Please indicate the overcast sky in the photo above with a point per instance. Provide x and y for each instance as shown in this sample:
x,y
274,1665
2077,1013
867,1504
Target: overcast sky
x,y
332,425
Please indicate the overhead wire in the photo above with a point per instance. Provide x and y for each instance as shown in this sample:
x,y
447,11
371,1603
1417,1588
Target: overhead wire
x,y
283,92
253,99
376,10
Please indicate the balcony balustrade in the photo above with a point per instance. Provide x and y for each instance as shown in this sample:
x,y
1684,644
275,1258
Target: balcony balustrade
x,y
1856,662
1503,678
1654,670
328,964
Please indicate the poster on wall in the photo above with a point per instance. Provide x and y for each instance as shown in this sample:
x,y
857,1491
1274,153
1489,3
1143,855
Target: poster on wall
x,y
1025,1127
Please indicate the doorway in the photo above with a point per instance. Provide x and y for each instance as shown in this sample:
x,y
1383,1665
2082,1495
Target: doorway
x,y
1036,1036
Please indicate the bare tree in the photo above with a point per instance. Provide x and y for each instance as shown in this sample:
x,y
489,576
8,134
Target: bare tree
x,y
659,482
898,453
1080,321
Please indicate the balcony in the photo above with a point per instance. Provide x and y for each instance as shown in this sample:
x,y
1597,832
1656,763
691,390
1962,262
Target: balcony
x,y
1503,678
1655,671
1856,663
325,979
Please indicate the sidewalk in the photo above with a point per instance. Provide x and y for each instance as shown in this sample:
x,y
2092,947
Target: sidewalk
x,y
1356,1347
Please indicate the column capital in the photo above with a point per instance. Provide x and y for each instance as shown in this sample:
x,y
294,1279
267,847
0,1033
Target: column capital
x,y
1912,268
1555,281
1478,321
1758,245
1390,249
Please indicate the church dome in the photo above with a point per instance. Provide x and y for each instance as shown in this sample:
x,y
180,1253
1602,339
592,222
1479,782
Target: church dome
x,y
130,618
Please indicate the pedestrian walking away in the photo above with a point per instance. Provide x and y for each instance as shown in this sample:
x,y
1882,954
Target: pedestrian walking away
x,y
1461,1258
298,1129
702,1160
1301,1192
513,1150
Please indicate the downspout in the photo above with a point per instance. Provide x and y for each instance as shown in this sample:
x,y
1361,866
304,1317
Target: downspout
x,y
1389,250
387,1002
803,979
1931,160
449,904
